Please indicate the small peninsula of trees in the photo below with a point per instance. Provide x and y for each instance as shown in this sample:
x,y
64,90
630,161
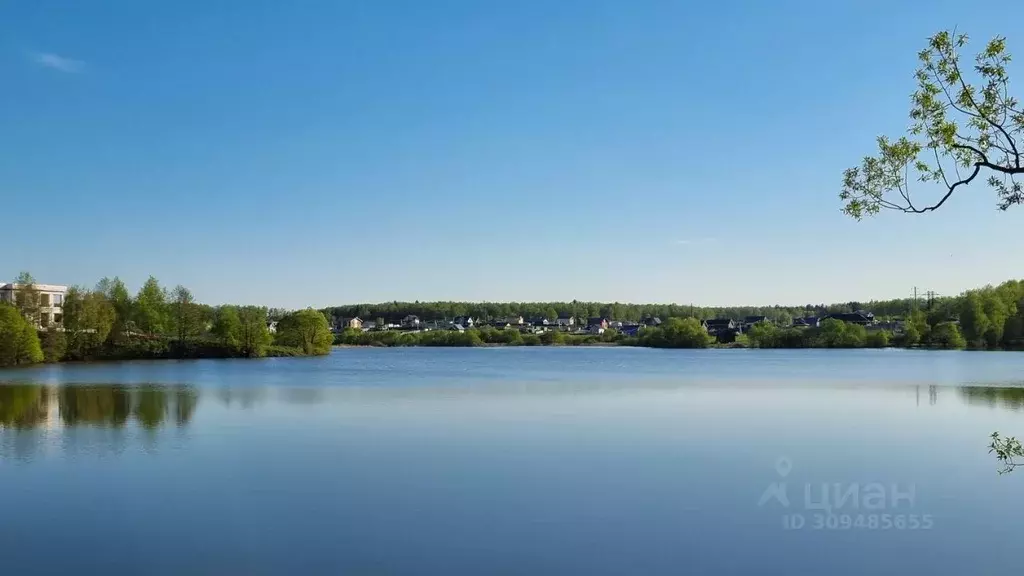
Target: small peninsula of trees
x,y
108,323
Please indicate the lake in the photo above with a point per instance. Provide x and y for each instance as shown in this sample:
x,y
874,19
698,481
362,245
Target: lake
x,y
514,461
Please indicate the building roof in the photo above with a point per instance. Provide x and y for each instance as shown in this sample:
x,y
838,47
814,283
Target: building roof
x,y
719,322
40,287
755,319
865,317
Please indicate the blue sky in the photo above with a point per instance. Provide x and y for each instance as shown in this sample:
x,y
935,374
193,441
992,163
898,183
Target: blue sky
x,y
328,152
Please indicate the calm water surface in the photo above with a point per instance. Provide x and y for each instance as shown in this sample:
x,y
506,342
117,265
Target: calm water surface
x,y
514,461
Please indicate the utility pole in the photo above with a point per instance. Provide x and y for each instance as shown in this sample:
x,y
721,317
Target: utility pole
x,y
913,307
931,298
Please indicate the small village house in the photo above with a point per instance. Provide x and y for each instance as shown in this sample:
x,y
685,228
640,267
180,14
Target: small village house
x,y
807,322
597,325
565,321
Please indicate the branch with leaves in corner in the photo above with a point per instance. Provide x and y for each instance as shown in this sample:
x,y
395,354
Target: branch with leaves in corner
x,y
962,125
1008,451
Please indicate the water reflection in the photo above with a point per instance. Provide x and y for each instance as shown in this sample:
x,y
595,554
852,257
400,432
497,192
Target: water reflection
x,y
1009,398
114,406
29,406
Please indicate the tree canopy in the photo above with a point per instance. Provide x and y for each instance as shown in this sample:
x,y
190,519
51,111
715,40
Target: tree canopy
x,y
307,330
19,341
964,125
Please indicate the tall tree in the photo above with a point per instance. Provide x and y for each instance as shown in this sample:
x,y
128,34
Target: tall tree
x,y
253,335
26,298
89,318
964,123
306,329
151,308
227,326
185,314
114,290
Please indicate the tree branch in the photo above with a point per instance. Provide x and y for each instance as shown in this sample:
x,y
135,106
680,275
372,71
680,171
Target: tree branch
x,y
964,182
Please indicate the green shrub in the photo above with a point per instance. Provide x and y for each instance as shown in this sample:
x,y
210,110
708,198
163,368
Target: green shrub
x,y
879,339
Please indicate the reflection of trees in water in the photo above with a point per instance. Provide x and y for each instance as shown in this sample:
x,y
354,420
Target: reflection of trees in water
x,y
107,406
1011,397
23,406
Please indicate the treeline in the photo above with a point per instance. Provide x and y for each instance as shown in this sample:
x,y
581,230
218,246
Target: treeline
x,y
674,333
839,334
987,318
393,312
485,335
107,322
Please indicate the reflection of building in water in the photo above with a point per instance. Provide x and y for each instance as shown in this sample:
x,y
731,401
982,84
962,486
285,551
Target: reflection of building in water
x,y
52,419
933,395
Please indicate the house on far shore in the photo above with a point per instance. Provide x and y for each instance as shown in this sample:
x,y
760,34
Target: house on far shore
x,y
464,321
272,326
630,329
565,321
651,321
724,330
716,325
353,323
540,322
751,320
411,321
807,322
515,320
597,325
367,326
861,318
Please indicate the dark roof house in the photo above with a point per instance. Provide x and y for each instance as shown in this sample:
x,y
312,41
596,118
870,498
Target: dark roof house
x,y
720,324
862,318
651,321
807,322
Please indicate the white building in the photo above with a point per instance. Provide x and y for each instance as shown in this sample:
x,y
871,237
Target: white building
x,y
51,300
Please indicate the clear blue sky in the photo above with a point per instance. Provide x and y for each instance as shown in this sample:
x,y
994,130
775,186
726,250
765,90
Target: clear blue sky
x,y
328,152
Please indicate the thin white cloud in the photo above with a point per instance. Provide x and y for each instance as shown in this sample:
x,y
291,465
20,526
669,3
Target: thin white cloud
x,y
59,63
693,241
